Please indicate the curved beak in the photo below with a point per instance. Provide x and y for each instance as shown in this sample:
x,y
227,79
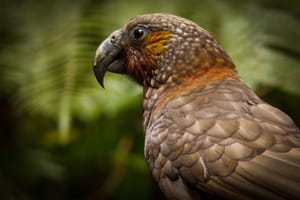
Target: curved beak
x,y
108,57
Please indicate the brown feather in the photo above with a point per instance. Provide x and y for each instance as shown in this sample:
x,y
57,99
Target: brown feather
x,y
235,145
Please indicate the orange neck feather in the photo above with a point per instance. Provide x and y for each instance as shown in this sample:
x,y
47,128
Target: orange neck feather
x,y
194,82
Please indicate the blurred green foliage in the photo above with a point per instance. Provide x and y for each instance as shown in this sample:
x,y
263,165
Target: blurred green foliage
x,y
64,137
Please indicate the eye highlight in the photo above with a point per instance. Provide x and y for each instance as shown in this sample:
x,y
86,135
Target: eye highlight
x,y
139,33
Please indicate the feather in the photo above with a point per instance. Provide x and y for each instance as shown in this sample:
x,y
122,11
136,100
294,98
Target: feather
x,y
244,149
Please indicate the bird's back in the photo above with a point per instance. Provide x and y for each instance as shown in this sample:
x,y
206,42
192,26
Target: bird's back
x,y
223,139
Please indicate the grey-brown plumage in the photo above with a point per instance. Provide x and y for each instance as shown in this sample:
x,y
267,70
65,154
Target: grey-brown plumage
x,y
223,139
205,130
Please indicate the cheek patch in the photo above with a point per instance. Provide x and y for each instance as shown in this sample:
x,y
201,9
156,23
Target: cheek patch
x,y
156,42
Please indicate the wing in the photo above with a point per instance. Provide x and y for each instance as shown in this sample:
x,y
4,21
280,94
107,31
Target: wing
x,y
225,140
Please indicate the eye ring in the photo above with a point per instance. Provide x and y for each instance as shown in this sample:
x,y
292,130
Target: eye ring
x,y
139,33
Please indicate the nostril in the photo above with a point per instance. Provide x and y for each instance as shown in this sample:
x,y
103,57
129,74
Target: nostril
x,y
115,36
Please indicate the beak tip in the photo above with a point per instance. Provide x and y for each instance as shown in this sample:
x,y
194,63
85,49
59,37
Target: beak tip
x,y
102,85
99,75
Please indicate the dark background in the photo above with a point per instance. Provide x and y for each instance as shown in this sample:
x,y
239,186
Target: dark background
x,y
64,137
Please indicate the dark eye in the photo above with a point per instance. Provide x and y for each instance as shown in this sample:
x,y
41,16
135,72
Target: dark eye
x,y
139,33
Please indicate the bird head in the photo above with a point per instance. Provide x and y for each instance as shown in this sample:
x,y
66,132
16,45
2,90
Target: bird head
x,y
155,49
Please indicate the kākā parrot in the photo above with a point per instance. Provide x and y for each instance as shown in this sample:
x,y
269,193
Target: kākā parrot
x,y
205,130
